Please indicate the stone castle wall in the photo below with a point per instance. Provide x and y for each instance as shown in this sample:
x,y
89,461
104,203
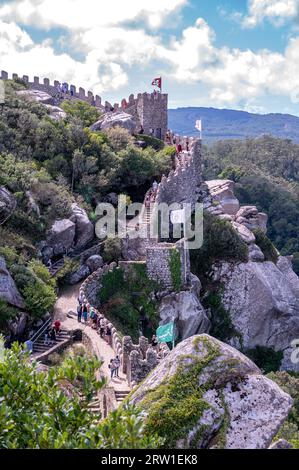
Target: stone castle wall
x,y
52,88
149,109
89,291
139,359
183,185
158,258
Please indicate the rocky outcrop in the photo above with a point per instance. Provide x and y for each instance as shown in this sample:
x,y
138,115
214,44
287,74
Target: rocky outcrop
x,y
56,113
84,229
263,301
94,263
68,234
8,289
119,119
251,218
281,444
185,309
222,191
222,203
244,233
81,273
255,253
37,95
46,100
226,401
61,236
17,327
134,249
7,204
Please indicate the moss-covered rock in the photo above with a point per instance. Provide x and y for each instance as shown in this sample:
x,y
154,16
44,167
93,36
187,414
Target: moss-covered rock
x,y
206,394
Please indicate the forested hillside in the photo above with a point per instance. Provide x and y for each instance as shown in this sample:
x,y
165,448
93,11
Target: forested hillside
x,y
266,172
233,124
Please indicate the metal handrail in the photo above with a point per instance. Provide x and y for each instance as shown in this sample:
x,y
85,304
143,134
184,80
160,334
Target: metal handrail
x,y
39,332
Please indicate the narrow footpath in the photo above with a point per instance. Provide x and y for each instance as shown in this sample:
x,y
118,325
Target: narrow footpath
x,y
68,301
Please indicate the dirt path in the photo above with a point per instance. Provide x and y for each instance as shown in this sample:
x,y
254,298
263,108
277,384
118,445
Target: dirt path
x,y
68,300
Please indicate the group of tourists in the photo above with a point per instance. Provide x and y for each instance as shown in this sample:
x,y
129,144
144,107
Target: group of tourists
x,y
52,333
114,366
90,317
180,144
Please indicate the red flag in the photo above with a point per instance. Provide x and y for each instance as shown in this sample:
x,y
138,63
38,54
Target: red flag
x,y
157,82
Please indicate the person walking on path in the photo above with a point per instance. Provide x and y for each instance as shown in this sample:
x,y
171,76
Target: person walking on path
x,y
53,335
179,149
57,326
112,368
85,313
80,299
108,335
79,313
102,327
47,340
117,365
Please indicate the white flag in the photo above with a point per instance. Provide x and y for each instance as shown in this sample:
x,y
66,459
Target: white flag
x,y
198,125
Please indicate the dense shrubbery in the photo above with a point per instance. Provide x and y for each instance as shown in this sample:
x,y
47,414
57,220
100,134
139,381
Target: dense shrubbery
x,y
6,313
80,109
151,141
290,428
127,301
33,281
112,249
49,410
265,358
266,246
220,241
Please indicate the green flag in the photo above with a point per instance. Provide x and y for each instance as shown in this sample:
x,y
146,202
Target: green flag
x,y
165,333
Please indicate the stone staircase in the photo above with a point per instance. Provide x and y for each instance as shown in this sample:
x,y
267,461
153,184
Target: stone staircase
x,y
42,350
120,395
96,406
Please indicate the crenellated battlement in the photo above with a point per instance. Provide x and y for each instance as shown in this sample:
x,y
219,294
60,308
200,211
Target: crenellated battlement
x,y
52,88
150,110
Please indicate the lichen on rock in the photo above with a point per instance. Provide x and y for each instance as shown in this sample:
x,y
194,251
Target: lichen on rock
x,y
207,394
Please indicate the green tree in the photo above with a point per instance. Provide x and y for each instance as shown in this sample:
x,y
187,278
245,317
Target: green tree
x,y
80,109
50,410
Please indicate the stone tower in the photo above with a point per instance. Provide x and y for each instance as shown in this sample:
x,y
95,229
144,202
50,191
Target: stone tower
x,y
152,112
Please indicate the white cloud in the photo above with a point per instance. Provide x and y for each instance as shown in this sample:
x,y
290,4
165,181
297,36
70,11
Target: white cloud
x,y
231,75
19,54
86,14
116,53
277,11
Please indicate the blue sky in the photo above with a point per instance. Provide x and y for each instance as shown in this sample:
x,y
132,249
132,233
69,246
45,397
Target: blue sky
x,y
240,54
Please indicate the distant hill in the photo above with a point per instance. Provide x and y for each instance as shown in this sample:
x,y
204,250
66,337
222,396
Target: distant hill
x,y
230,124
